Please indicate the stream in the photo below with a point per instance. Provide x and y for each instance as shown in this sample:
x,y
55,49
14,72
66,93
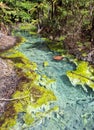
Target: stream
x,y
75,106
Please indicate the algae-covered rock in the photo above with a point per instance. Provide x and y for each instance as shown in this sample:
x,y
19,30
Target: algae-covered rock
x,y
83,75
30,95
8,81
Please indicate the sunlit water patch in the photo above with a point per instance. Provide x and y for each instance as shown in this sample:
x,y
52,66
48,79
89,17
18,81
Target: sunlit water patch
x,y
74,107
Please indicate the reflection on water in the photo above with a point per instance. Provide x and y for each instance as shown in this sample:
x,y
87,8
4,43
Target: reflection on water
x,y
75,107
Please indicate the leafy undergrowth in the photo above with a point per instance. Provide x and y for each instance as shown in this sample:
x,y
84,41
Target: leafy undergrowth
x,y
83,75
29,97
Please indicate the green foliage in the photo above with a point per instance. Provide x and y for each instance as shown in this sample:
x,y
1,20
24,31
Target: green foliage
x,y
53,16
17,11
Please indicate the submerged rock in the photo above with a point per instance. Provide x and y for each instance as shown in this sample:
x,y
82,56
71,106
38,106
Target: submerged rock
x,y
6,41
8,82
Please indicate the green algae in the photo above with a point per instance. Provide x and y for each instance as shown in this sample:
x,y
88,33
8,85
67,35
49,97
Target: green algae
x,y
83,75
8,119
57,47
9,123
20,62
45,63
28,119
46,82
38,96
34,96
44,97
39,116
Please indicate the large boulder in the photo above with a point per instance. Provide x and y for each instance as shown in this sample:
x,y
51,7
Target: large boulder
x,y
8,82
6,41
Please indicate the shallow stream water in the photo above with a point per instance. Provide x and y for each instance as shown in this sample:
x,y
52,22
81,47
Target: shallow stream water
x,y
76,107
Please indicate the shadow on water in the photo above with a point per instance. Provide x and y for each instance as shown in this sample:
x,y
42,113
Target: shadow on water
x,y
66,80
40,46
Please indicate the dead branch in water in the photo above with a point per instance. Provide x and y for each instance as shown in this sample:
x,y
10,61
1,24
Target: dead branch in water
x,y
13,99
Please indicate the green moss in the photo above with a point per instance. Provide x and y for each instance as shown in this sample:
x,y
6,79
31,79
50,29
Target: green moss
x,y
82,75
42,96
40,115
46,81
62,38
28,119
8,119
20,40
46,97
45,64
37,96
34,96
57,47
18,107
9,123
21,62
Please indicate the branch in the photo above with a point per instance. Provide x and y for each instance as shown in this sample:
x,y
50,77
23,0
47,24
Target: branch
x,y
13,99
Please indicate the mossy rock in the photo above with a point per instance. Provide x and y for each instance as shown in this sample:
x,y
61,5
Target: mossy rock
x,y
29,95
83,75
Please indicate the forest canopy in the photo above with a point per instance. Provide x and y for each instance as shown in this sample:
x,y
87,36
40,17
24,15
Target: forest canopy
x,y
70,21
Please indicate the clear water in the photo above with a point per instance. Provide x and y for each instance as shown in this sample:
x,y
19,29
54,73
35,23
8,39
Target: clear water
x,y
76,107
